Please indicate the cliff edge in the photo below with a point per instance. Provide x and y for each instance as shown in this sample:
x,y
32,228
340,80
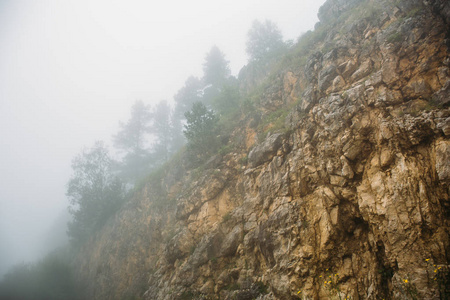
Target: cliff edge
x,y
336,185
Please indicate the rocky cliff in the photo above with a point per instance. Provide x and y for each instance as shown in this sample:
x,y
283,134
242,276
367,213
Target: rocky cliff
x,y
336,185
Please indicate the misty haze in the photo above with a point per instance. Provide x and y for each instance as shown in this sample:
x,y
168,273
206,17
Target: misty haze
x,y
224,149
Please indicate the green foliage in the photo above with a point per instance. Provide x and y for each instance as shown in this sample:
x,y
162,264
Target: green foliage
x,y
224,150
247,106
215,68
277,119
158,174
190,295
264,40
162,132
274,122
187,96
201,132
233,287
311,41
394,38
50,279
131,140
261,287
439,276
158,126
409,290
332,284
131,137
155,181
157,194
243,160
442,279
413,12
226,102
368,10
226,217
94,192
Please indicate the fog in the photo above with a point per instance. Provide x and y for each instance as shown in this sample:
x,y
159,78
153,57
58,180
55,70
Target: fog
x,y
70,71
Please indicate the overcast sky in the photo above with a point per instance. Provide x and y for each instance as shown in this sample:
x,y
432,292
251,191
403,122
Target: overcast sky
x,y
70,71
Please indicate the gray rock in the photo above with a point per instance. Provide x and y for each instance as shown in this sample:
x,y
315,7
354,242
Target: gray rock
x,y
444,125
266,151
442,160
208,248
326,77
442,97
231,241
364,69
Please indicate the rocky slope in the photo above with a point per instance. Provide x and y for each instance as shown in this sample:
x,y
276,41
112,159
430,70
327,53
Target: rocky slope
x,y
348,197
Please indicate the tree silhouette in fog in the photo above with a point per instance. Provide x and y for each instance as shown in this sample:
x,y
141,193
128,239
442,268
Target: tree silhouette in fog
x,y
95,192
201,132
264,40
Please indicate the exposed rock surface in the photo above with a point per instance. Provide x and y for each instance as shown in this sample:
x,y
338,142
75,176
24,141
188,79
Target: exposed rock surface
x,y
351,200
266,150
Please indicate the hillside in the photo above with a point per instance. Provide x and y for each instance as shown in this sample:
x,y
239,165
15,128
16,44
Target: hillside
x,y
334,182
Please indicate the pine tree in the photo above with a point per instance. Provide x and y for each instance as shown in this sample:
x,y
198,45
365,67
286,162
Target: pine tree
x,y
163,131
201,132
132,140
94,192
264,40
132,136
215,68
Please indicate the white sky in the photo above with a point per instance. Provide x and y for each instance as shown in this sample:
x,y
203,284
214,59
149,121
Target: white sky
x,y
70,71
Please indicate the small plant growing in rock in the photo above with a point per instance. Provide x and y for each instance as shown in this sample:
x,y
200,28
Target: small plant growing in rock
x,y
243,160
442,278
305,224
302,296
330,281
439,276
224,150
226,217
332,285
261,287
394,38
408,289
413,12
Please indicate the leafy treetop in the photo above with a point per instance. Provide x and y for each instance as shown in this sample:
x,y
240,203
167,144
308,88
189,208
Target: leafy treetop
x,y
131,137
263,40
215,68
94,192
201,131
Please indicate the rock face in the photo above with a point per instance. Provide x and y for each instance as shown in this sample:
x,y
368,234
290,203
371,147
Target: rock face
x,y
351,200
265,151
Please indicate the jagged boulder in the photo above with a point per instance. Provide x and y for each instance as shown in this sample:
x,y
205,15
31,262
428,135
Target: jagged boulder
x,y
265,151
232,241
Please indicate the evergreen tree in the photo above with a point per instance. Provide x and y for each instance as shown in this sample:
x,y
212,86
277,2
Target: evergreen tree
x,y
94,192
227,100
264,40
215,68
201,132
216,72
132,141
51,279
131,138
189,94
162,130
